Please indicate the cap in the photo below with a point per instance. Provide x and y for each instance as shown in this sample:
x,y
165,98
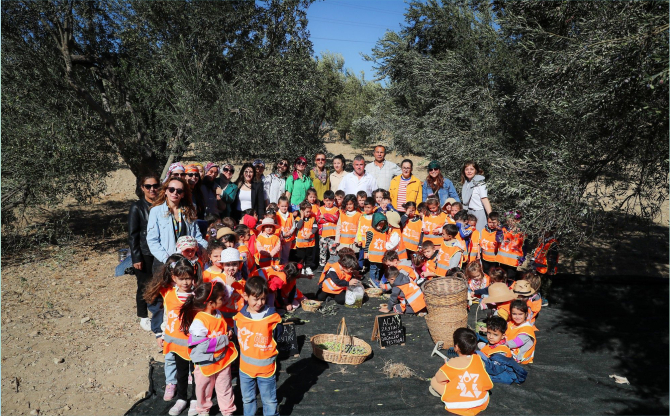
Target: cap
x,y
434,165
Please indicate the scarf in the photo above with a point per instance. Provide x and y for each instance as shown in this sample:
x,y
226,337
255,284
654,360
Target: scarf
x,y
469,186
323,176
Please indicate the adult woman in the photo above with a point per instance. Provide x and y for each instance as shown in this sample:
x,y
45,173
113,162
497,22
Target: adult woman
x,y
227,189
320,176
201,169
147,191
176,170
339,172
298,183
172,216
210,190
193,179
438,185
249,193
475,197
275,184
405,187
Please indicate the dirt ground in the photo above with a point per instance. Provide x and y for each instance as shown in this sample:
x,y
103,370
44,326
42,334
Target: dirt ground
x,y
72,345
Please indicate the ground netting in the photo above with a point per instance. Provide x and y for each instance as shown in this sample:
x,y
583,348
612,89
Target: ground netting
x,y
594,327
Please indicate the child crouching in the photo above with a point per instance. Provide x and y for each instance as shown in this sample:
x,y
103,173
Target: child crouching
x,y
406,296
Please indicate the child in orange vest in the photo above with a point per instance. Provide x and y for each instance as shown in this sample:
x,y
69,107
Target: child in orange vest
x,y
268,244
477,279
451,251
339,198
411,224
495,335
520,333
375,246
329,215
364,224
311,196
489,241
226,269
188,248
287,295
305,238
257,327
210,347
462,382
287,229
336,278
433,222
526,290
510,252
429,268
406,296
347,225
394,239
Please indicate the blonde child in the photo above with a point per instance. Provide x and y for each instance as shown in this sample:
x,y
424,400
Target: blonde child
x,y
477,279
520,333
268,244
433,222
211,349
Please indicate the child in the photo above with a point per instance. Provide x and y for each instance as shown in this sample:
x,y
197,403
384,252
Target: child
x,y
464,231
406,296
433,222
304,243
526,290
421,210
329,216
446,208
347,224
229,222
375,245
411,229
268,243
257,327
364,224
455,208
499,299
336,278
361,197
212,222
520,333
227,271
473,246
188,248
405,266
451,251
545,261
378,195
227,237
286,228
463,383
243,238
288,296
394,235
210,347
312,197
477,279
385,203
214,249
510,252
429,268
489,240
339,198
495,335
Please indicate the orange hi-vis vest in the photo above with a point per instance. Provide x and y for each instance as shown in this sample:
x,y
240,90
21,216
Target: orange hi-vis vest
x,y
328,285
263,257
258,349
364,225
233,303
224,357
431,264
302,241
447,251
525,328
467,392
498,349
511,249
484,282
174,340
349,227
488,245
246,256
449,220
411,234
285,226
400,249
431,223
541,257
315,211
411,272
473,247
413,297
329,229
377,246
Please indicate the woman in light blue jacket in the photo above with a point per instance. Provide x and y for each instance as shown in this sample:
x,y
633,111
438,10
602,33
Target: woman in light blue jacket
x,y
173,215
436,184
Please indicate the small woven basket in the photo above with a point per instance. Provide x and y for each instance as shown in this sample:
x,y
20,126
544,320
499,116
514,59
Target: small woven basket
x,y
446,302
310,305
340,357
373,292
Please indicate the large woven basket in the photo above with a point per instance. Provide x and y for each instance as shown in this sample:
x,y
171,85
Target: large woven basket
x,y
446,302
309,305
340,357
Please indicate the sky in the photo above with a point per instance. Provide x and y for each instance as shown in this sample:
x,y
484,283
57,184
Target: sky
x,y
352,27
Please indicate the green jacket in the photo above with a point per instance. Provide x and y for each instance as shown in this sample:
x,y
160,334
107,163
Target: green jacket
x,y
298,188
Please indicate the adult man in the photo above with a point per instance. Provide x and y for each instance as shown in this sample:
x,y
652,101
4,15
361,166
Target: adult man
x,y
382,170
358,180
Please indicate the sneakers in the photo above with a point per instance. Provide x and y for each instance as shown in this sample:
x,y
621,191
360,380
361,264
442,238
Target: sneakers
x,y
545,302
145,323
170,390
190,378
308,271
192,410
433,392
374,283
178,408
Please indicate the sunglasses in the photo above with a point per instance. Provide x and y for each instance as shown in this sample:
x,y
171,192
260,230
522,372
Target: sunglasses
x,y
282,164
180,175
320,160
172,190
433,169
301,163
152,186
190,175
229,170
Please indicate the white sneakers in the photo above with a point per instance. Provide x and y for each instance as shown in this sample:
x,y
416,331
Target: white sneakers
x,y
308,271
145,323
178,408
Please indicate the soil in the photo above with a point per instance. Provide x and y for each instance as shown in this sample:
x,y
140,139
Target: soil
x,y
71,343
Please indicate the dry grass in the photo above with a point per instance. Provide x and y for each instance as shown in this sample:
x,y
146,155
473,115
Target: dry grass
x,y
393,370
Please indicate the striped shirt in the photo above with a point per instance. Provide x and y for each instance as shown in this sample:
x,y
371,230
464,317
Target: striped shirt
x,y
402,193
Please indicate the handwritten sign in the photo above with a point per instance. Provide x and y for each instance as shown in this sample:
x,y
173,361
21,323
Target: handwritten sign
x,y
388,329
288,341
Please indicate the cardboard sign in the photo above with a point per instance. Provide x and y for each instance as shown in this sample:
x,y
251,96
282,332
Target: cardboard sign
x,y
388,329
288,341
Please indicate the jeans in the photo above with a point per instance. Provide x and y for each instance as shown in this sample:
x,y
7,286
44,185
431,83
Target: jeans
x,y
170,369
268,390
375,269
156,310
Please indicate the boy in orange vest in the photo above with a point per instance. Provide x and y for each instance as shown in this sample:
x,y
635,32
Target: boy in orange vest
x,y
257,327
339,198
336,277
406,296
375,245
463,383
489,241
451,251
495,335
364,224
329,215
305,239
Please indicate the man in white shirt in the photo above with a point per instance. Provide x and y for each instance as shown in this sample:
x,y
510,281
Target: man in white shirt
x,y
358,180
382,170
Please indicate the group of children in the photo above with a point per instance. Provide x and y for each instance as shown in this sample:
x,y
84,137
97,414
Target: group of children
x,y
223,304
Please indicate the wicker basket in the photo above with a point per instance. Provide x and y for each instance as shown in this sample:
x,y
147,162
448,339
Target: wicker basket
x,y
309,305
340,357
373,292
446,302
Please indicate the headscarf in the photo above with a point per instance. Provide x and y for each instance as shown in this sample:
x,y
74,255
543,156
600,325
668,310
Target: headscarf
x,y
210,165
191,169
295,171
198,165
173,167
186,242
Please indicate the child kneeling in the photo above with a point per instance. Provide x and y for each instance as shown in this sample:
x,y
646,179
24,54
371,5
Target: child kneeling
x,y
406,296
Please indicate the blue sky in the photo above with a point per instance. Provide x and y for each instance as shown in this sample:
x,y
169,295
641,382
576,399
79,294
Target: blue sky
x,y
352,27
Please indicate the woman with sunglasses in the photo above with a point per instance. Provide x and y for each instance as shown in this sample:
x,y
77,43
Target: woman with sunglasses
x,y
147,189
320,176
298,183
193,179
438,185
250,193
227,189
276,181
172,215
176,170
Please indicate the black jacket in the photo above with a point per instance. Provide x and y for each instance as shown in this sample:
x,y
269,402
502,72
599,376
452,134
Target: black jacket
x,y
137,230
257,200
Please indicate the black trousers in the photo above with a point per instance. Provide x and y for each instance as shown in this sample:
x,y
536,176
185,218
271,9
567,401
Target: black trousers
x,y
184,368
486,265
143,277
306,256
339,298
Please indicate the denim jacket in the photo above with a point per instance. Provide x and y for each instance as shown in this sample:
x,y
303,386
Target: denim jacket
x,y
447,191
160,233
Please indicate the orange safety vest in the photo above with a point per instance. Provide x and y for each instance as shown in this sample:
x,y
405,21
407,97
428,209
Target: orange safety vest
x,y
263,257
485,282
488,245
431,223
534,307
541,257
498,349
411,234
431,264
377,246
225,356
449,220
315,210
413,296
400,249
258,349
174,340
268,273
327,285
447,251
467,392
364,224
302,241
473,247
411,272
511,248
329,229
285,226
525,328
349,227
